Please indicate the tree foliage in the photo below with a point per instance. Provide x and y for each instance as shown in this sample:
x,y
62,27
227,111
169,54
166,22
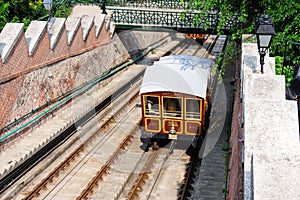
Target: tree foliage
x,y
4,12
284,14
27,10
20,11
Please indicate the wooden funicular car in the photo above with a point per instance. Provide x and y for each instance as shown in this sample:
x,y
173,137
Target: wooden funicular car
x,y
174,98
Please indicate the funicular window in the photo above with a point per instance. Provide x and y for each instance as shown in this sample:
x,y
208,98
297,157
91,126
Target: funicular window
x,y
172,107
193,108
151,106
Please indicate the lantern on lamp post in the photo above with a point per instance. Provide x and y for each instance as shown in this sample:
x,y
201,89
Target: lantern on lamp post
x,y
265,32
48,5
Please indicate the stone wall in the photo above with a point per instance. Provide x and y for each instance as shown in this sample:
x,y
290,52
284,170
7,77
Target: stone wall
x,y
59,45
271,145
53,57
45,43
263,158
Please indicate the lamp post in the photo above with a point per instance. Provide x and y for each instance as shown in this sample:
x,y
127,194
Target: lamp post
x,y
265,32
103,7
48,6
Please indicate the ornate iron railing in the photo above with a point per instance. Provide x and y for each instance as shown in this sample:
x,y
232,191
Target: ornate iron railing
x,y
174,19
170,4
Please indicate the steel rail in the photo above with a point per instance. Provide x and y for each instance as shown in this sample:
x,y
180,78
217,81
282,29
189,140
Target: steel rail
x,y
142,176
171,148
106,166
28,164
194,158
187,179
33,193
133,193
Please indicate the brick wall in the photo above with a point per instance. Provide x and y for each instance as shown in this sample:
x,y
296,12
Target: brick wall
x,y
9,92
104,35
77,43
39,86
17,60
39,56
91,40
24,80
61,49
235,170
20,62
49,73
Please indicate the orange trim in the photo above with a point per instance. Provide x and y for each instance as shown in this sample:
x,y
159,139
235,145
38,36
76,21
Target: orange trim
x,y
194,122
151,130
144,106
201,108
180,122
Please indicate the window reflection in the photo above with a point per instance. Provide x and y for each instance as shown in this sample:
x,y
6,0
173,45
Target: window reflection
x,y
193,108
172,107
151,105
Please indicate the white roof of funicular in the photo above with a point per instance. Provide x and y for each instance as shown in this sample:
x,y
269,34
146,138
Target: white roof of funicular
x,y
178,73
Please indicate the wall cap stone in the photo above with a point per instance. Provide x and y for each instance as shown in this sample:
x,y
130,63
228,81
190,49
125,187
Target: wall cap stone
x,y
264,86
34,33
72,26
276,173
55,27
99,21
271,131
87,24
9,37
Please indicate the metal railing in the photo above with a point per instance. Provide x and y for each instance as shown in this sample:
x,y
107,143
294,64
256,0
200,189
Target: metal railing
x,y
171,4
178,15
174,19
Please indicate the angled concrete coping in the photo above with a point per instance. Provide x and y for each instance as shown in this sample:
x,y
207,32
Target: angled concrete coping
x,y
276,173
86,23
72,26
34,34
264,86
9,37
112,29
55,27
99,21
269,125
108,21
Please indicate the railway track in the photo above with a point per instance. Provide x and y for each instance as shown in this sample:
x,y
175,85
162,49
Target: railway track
x,y
85,150
214,45
142,178
106,167
72,131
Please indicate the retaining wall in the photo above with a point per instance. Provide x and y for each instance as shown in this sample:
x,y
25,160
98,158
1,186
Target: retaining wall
x,y
271,146
53,57
43,47
235,169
